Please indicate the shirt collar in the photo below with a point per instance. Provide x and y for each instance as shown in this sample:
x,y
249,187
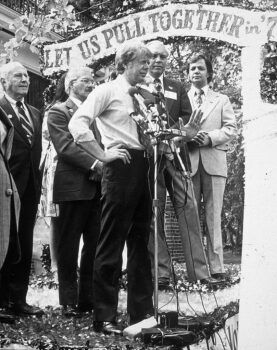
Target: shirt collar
x,y
12,101
122,81
76,101
150,80
204,88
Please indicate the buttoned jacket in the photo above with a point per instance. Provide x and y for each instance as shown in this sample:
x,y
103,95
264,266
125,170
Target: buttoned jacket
x,y
9,198
25,157
219,121
71,181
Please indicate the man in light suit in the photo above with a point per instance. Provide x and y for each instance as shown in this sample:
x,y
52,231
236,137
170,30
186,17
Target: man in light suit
x,y
172,178
24,165
77,191
9,209
208,154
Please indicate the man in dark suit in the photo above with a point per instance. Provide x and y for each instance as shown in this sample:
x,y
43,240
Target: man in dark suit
x,y
9,208
24,165
173,178
77,191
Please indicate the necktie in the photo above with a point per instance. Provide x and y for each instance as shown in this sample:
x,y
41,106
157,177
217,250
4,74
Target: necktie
x,y
158,84
199,97
142,126
25,123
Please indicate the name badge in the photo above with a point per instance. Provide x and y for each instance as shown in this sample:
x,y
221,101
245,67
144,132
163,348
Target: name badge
x,y
170,94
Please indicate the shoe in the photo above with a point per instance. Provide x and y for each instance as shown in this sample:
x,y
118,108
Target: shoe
x,y
25,309
209,281
163,284
71,311
220,276
85,307
107,327
165,287
134,320
6,318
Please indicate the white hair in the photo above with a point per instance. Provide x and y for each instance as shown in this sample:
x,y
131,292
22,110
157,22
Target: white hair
x,y
8,68
73,74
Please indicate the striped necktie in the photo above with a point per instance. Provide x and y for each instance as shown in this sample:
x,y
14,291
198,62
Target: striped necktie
x,y
198,97
25,123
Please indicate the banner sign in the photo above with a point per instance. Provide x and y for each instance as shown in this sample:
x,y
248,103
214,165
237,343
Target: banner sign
x,y
236,26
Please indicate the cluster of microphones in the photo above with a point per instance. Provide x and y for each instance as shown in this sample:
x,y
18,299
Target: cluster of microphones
x,y
153,112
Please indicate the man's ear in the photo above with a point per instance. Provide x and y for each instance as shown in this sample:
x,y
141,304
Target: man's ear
x,y
3,82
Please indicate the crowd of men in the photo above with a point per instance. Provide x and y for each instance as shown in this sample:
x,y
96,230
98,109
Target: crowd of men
x,y
104,182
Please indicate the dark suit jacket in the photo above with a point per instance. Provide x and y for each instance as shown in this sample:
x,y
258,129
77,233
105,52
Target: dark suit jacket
x,y
9,198
25,157
177,106
71,181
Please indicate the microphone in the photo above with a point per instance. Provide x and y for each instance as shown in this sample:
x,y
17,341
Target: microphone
x,y
143,109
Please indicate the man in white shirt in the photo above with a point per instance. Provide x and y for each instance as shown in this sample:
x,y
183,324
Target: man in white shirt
x,y
208,154
77,190
126,191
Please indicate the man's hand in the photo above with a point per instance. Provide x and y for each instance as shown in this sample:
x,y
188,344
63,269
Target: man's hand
x,y
96,173
202,138
192,127
117,152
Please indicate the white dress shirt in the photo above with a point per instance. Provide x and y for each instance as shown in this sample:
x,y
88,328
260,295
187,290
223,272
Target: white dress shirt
x,y
111,105
195,91
13,104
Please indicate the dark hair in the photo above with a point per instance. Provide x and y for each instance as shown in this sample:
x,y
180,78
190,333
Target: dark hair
x,y
128,53
200,56
60,94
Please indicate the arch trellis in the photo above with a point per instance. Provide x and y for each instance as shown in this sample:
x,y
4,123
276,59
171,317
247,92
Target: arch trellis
x,y
250,30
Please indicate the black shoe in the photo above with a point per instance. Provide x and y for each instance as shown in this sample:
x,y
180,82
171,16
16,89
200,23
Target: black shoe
x,y
71,311
163,284
6,318
107,327
219,275
25,309
85,307
210,281
165,287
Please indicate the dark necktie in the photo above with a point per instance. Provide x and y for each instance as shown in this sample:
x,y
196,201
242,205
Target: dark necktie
x,y
158,84
25,123
199,97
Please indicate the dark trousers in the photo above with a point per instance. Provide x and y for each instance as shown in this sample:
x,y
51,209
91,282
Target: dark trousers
x,y
76,219
181,193
13,256
126,216
16,276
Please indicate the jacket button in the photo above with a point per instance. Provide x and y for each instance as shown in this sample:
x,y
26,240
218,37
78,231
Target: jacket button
x,y
9,192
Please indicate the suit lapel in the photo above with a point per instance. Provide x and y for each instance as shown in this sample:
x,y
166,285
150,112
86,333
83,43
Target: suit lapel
x,y
71,106
13,118
10,131
169,86
209,104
